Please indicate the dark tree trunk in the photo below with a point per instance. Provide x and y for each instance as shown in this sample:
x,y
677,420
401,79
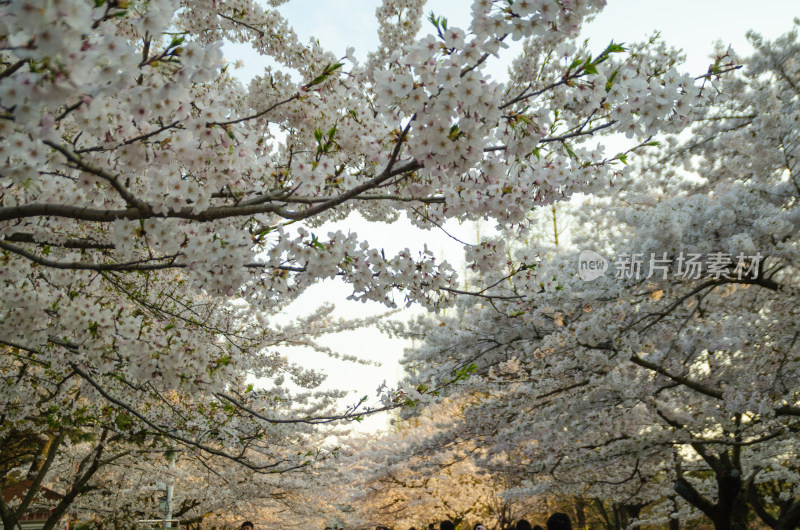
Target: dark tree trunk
x,y
731,510
789,519
580,513
8,519
674,522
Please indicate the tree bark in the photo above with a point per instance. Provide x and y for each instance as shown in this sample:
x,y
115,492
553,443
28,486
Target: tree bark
x,y
674,522
580,513
790,519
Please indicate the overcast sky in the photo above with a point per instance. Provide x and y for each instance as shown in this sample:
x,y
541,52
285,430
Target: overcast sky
x,y
693,25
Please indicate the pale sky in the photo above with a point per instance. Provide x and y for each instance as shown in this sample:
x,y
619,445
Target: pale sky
x,y
693,25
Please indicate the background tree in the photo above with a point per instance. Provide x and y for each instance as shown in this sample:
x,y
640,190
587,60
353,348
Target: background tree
x,y
658,382
399,480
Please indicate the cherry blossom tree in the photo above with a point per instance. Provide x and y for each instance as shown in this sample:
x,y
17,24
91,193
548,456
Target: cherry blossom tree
x,y
668,390
206,492
415,491
156,215
399,481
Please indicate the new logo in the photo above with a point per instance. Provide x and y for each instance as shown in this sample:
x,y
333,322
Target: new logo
x,y
591,265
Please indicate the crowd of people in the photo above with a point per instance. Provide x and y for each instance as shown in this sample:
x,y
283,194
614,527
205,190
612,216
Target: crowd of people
x,y
557,521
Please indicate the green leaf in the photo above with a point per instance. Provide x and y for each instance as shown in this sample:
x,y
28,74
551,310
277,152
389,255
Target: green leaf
x,y
315,242
590,69
464,372
611,79
615,48
433,20
264,232
123,422
328,70
611,48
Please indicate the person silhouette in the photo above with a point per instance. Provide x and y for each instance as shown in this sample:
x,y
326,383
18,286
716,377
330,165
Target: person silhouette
x,y
559,521
523,524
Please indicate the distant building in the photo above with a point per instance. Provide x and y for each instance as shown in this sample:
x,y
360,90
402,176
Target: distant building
x,y
38,512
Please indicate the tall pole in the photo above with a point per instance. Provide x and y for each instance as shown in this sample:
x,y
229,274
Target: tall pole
x,y
171,455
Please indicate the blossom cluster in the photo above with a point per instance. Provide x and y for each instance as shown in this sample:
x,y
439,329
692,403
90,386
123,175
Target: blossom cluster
x,y
634,391
156,215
